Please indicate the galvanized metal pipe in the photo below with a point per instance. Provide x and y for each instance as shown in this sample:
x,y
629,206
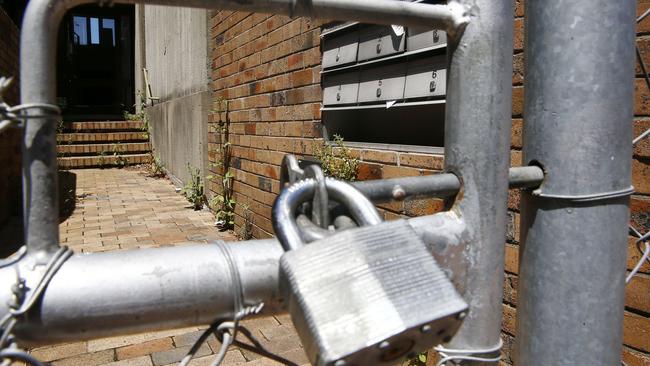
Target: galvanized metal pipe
x,y
525,177
449,17
477,149
439,185
106,294
38,85
578,126
103,294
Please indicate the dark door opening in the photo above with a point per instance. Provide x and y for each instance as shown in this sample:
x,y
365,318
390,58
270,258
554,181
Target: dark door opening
x,y
95,63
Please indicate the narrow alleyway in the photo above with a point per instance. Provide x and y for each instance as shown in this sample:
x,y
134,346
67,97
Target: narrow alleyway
x,y
121,209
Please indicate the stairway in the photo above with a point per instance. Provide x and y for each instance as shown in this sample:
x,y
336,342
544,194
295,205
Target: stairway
x,y
102,144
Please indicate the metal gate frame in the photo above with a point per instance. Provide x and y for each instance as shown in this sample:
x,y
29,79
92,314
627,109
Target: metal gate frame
x,y
577,130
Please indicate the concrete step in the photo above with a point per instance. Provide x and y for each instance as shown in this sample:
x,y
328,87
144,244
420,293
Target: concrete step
x,y
104,126
103,144
100,137
102,161
107,149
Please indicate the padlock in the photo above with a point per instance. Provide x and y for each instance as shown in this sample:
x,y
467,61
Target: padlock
x,y
365,296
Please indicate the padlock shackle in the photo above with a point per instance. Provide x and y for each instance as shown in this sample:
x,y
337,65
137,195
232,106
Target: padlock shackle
x,y
285,206
290,170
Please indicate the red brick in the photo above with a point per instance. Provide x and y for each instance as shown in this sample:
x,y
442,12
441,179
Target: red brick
x,y
641,175
508,322
519,34
517,101
516,158
379,156
635,358
519,8
295,61
641,98
518,69
514,199
636,293
642,148
302,77
512,258
644,25
636,331
634,255
517,133
366,171
424,161
421,207
396,172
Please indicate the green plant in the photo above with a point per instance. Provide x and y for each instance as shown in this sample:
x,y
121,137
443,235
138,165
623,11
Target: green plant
x,y
140,116
246,230
224,203
336,159
156,169
60,137
60,127
193,189
102,158
419,360
120,160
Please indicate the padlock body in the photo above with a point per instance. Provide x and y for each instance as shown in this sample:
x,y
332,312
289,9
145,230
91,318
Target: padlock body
x,y
369,296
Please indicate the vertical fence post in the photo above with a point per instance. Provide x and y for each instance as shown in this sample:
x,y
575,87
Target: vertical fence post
x,y
38,85
477,149
579,82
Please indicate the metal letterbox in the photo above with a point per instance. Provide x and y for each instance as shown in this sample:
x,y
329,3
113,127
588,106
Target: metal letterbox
x,y
379,41
382,83
340,49
422,38
340,88
426,77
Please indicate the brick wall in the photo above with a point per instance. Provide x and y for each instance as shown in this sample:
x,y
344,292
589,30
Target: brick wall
x,y
10,179
267,67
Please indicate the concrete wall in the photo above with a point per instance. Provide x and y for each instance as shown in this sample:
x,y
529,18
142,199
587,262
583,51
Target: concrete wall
x,y
172,45
179,133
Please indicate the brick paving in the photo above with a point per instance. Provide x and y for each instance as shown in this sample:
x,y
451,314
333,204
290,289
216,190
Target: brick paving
x,y
121,209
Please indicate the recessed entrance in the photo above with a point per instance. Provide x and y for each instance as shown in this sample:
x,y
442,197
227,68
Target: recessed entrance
x,y
95,62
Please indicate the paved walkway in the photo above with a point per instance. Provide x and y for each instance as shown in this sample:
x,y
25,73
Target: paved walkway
x,y
124,209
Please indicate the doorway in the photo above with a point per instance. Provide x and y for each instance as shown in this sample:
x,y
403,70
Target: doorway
x,y
96,63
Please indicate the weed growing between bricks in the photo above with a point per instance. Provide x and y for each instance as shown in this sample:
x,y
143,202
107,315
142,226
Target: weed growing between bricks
x,y
155,167
140,116
246,230
336,159
224,202
193,189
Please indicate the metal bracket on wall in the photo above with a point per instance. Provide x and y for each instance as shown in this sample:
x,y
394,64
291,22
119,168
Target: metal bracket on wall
x,y
147,87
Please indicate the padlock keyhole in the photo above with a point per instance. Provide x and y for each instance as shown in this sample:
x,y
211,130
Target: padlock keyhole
x,y
397,350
